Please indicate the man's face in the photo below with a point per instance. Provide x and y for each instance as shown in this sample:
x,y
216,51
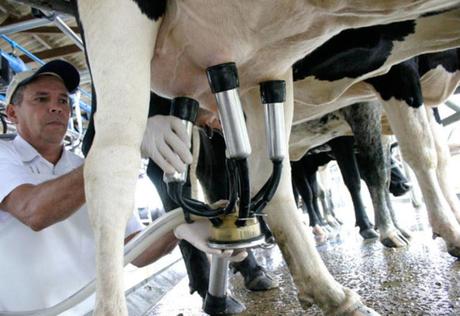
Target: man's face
x,y
42,116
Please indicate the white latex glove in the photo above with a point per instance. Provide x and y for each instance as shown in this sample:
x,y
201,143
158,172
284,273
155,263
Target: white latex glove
x,y
197,233
166,142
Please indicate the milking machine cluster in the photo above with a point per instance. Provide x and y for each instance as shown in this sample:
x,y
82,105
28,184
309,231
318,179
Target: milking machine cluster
x,y
235,225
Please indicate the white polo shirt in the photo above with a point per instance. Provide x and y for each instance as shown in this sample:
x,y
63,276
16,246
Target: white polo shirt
x,y
40,269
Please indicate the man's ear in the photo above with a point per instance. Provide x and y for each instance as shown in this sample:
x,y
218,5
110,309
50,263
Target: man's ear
x,y
11,113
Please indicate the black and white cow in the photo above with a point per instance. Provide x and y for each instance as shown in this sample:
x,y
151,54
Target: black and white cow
x,y
364,120
427,80
264,39
136,45
304,173
314,163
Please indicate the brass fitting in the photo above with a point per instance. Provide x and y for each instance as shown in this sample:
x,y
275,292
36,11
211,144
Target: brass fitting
x,y
229,232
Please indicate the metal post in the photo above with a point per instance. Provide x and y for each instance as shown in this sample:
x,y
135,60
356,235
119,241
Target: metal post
x,y
218,276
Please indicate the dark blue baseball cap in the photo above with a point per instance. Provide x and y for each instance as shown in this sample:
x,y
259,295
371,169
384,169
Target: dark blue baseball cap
x,y
58,68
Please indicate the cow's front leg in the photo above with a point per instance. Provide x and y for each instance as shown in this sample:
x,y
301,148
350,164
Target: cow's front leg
x,y
313,280
119,41
415,139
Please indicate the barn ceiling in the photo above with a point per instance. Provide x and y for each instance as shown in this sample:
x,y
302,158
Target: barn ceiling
x,y
45,40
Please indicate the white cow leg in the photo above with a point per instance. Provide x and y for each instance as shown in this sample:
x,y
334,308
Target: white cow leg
x,y
122,82
324,179
412,130
386,144
444,172
323,197
314,282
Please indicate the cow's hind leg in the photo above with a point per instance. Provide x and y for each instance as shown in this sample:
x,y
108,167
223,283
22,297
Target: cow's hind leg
x,y
312,181
364,119
299,179
416,143
256,278
387,152
326,197
314,282
443,168
122,82
342,147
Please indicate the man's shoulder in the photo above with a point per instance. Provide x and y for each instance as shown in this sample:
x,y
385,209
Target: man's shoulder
x,y
7,150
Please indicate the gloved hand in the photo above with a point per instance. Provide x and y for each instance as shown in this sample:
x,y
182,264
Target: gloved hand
x,y
166,142
197,233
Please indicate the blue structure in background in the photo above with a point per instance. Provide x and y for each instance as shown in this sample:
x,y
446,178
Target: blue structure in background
x,y
17,65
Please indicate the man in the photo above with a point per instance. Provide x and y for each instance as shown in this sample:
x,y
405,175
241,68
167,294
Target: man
x,y
46,242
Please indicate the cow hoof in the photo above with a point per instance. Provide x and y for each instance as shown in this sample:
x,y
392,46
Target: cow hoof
x,y
260,281
233,306
334,225
227,305
339,221
352,306
320,234
363,310
320,240
369,233
332,222
405,234
453,251
395,242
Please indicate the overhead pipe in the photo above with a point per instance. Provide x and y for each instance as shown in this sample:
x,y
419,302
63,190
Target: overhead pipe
x,y
69,32
60,24
15,45
23,26
452,105
62,6
15,63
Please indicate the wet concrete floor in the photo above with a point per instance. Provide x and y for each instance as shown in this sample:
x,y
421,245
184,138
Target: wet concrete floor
x,y
421,279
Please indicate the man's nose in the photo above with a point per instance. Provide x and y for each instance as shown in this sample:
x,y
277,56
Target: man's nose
x,y
55,107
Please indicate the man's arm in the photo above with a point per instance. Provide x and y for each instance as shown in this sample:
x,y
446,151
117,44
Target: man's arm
x,y
196,233
156,250
42,205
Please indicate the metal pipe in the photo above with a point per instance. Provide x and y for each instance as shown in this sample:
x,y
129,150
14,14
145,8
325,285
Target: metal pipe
x,y
15,63
275,130
224,83
22,49
69,32
273,95
23,26
451,119
78,114
233,124
218,276
63,6
452,105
